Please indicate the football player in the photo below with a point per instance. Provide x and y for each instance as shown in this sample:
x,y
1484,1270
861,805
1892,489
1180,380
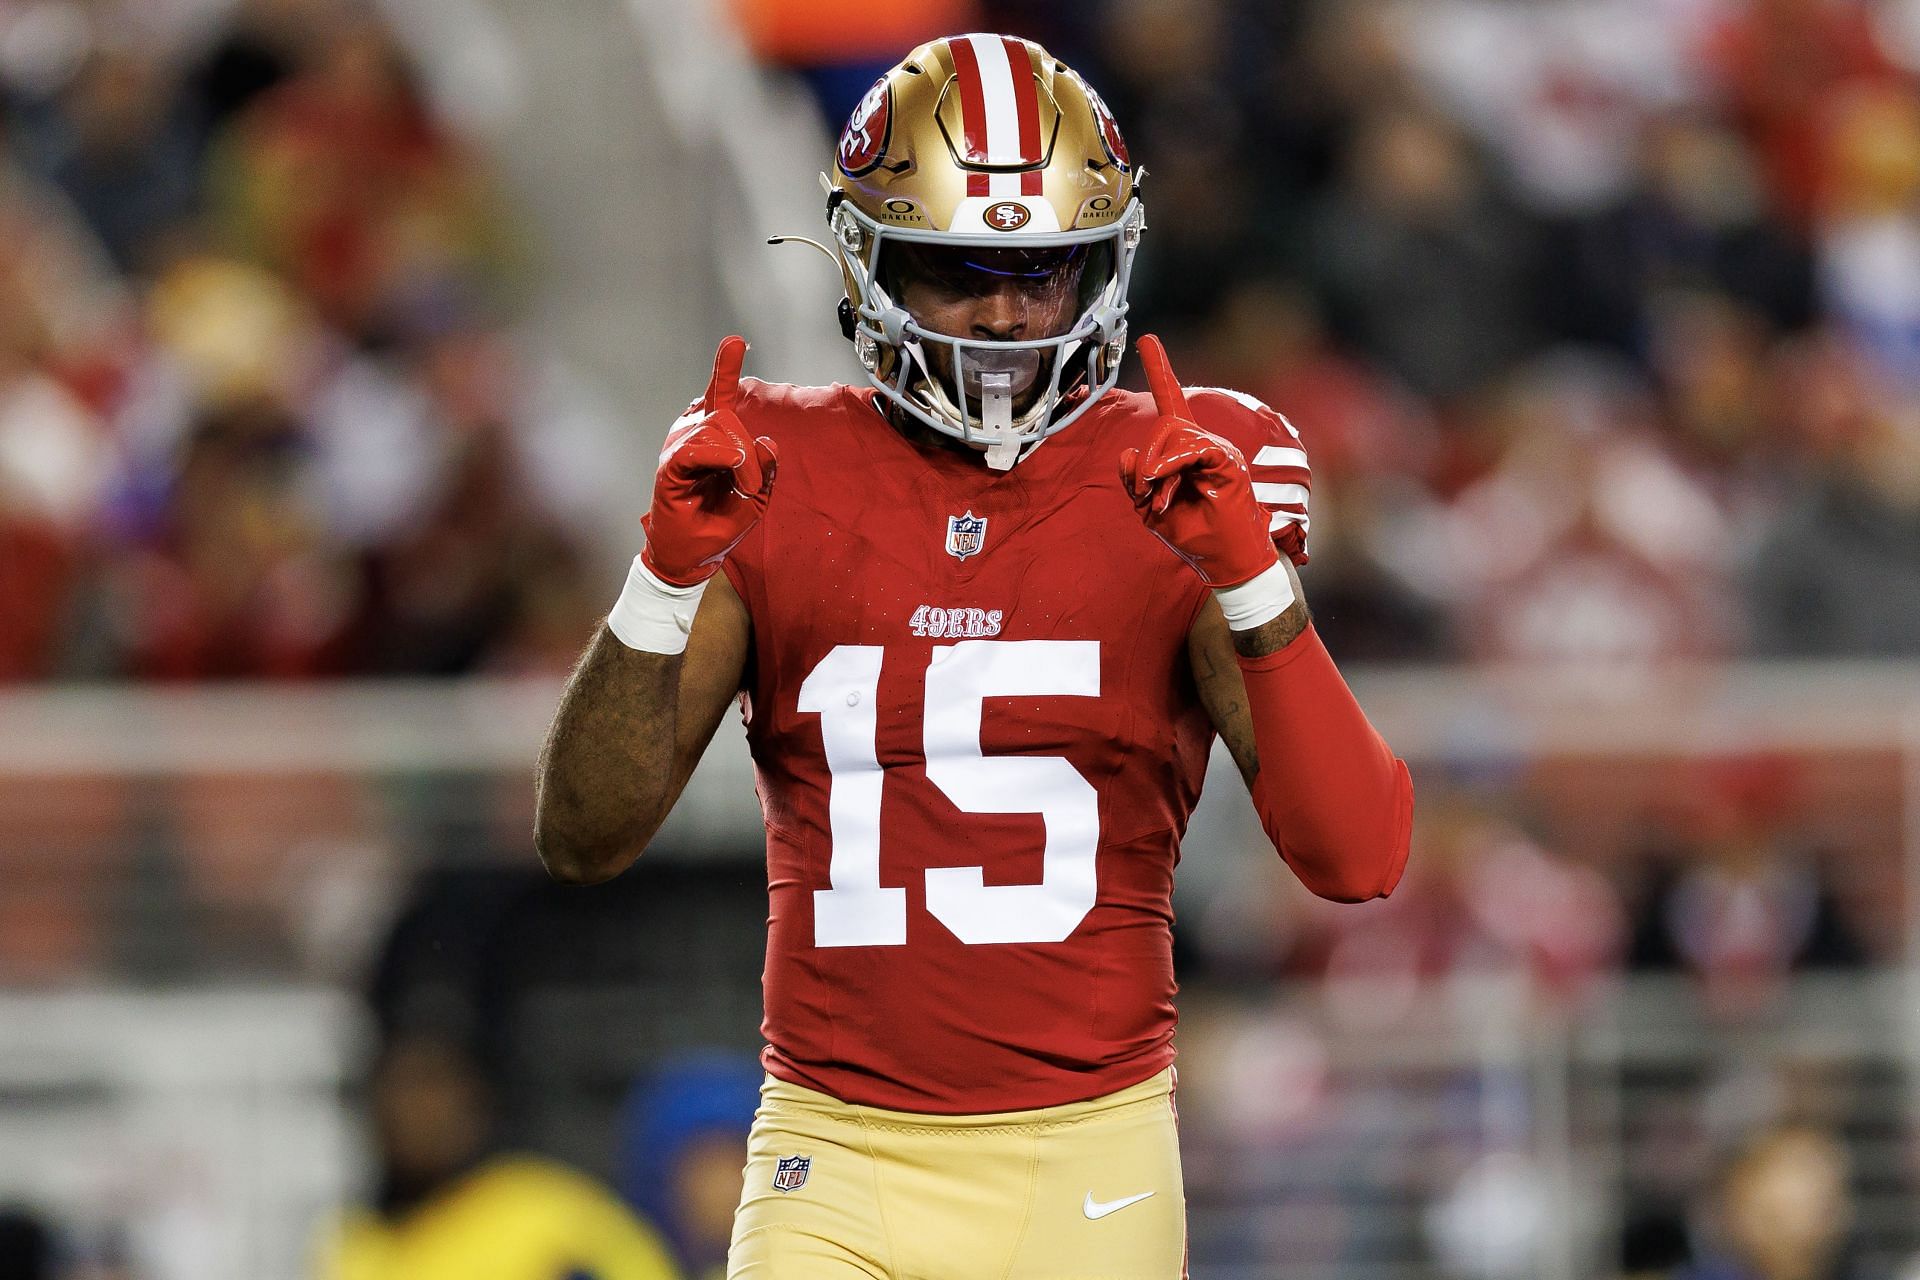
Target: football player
x,y
988,613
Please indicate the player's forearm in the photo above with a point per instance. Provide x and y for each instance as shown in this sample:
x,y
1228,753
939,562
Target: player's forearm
x,y
1332,796
1274,635
604,782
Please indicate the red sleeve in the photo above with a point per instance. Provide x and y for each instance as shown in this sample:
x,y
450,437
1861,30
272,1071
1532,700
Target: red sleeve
x,y
1276,457
1332,796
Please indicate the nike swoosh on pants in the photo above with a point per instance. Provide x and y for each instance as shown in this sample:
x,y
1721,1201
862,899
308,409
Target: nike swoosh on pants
x,y
1096,1209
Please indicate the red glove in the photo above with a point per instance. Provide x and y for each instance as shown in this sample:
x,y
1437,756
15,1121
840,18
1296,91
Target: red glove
x,y
713,483
1193,489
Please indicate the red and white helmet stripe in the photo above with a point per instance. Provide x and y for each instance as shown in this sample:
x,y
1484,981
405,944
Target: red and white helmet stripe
x,y
999,111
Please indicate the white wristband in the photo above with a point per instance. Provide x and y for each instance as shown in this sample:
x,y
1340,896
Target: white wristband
x,y
652,615
1259,599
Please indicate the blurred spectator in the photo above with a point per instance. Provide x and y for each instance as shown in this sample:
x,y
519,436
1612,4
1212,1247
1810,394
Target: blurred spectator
x,y
62,294
1777,66
1164,74
1735,904
1323,70
1488,900
237,581
1708,353
450,1206
445,591
1585,543
1781,1210
58,303
1558,88
122,149
1422,260
304,449
684,1148
1270,339
342,180
54,458
218,567
1320,1155
1838,571
463,565
1374,449
1868,237
1694,220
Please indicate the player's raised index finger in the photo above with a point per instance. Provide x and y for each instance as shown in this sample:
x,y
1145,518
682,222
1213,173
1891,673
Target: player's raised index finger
x,y
724,387
1168,398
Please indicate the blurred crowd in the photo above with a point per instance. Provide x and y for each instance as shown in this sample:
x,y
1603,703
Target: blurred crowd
x,y
1601,318
1727,875
259,416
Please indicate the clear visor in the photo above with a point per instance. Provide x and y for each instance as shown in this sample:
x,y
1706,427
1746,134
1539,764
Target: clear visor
x,y
1046,275
1049,286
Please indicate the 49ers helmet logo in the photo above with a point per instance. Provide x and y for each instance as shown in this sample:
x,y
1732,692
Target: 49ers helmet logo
x,y
863,143
1110,138
1007,216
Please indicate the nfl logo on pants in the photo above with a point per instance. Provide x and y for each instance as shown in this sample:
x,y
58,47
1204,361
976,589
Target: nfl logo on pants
x,y
790,1174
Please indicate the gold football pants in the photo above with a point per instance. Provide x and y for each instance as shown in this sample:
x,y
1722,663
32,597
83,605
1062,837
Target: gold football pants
x,y
1086,1191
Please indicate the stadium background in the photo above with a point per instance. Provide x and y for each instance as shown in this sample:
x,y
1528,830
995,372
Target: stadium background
x,y
335,346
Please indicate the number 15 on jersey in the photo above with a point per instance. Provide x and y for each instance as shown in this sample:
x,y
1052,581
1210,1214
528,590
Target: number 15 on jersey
x,y
858,911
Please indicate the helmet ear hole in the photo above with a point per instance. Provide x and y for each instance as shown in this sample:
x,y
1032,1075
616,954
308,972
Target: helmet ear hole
x,y
846,319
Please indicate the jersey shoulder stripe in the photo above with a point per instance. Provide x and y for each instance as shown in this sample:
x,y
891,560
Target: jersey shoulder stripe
x,y
1276,458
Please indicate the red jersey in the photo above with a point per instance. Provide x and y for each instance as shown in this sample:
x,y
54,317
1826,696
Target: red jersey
x,y
977,742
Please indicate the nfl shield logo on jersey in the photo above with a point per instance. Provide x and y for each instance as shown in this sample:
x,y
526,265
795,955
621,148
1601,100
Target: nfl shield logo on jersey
x,y
790,1174
965,534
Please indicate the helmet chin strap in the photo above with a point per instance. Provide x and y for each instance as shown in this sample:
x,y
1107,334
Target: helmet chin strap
x,y
996,420
996,430
1002,438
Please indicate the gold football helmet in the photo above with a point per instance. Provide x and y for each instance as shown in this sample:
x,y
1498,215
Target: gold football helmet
x,y
982,157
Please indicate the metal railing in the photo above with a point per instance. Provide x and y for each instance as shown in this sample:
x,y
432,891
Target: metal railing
x,y
212,1127
192,880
